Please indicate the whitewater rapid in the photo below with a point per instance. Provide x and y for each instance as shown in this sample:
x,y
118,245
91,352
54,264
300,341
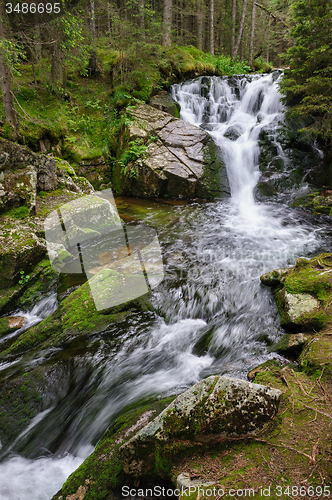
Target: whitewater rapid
x,y
213,315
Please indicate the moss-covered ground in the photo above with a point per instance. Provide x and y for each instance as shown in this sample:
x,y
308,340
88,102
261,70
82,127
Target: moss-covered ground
x,y
83,120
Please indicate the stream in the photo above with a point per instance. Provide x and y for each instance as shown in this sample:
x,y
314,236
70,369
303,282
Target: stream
x,y
212,316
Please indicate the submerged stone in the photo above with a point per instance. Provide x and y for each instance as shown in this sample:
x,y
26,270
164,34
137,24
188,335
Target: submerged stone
x,y
273,278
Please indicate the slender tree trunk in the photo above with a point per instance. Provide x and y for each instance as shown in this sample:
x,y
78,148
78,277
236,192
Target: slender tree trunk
x,y
141,17
93,21
268,41
252,34
58,71
38,43
167,23
244,9
200,30
6,85
233,28
212,26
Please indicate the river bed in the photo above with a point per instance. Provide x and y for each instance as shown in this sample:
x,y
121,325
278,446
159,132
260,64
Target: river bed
x,y
212,314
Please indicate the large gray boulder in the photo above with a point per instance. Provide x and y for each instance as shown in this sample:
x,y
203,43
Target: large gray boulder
x,y
180,159
215,408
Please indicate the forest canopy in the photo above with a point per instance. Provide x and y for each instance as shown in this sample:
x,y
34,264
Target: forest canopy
x,y
139,46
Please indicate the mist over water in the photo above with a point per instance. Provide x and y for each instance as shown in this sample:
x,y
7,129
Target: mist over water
x,y
213,315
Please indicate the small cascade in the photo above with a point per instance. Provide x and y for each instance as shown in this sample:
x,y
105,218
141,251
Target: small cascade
x,y
212,315
41,310
234,115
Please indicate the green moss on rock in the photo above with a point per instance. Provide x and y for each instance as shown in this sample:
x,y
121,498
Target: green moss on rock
x,y
75,316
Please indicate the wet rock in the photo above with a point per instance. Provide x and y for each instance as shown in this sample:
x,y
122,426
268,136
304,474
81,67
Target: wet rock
x,y
25,295
290,344
101,474
304,293
273,278
286,157
166,103
180,161
213,409
25,394
234,132
77,316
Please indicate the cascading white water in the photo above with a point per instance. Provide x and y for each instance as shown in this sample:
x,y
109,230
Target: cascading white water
x,y
214,311
234,122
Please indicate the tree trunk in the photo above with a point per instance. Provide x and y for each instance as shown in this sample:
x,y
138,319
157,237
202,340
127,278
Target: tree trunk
x,y
200,30
58,72
252,35
167,23
93,21
141,17
244,9
268,41
233,27
6,86
212,26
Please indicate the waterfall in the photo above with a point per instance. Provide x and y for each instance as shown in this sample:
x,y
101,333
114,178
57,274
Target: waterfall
x,y
234,111
212,315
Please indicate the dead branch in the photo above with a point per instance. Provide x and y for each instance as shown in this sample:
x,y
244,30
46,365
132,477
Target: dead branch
x,y
276,19
311,457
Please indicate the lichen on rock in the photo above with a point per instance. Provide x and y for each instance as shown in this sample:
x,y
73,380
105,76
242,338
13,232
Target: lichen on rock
x,y
181,160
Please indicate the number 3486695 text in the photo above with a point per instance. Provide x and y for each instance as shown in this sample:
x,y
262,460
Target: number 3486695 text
x,y
33,8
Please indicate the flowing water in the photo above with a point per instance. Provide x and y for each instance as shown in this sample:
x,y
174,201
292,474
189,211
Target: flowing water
x,y
213,315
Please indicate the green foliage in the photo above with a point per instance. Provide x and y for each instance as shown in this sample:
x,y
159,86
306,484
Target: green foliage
x,y
18,212
307,84
136,150
262,66
23,278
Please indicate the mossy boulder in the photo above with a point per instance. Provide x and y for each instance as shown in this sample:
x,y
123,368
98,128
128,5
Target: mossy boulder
x,y
68,178
165,102
172,159
18,188
304,293
318,202
76,316
273,278
21,248
14,156
317,355
214,409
